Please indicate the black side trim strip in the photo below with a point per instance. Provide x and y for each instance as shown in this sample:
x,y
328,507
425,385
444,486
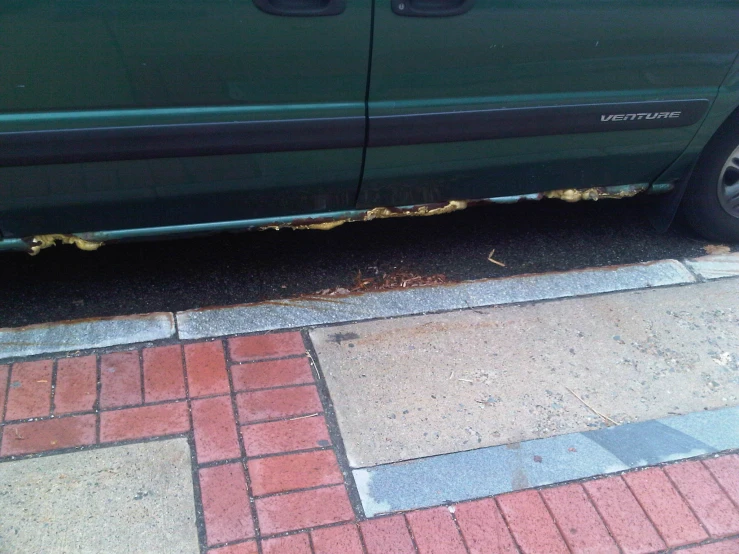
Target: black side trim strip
x,y
213,139
167,141
393,130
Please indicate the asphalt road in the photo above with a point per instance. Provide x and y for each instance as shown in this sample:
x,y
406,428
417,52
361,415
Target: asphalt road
x,y
64,283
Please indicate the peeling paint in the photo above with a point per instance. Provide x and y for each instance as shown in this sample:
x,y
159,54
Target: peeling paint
x,y
596,193
375,213
422,210
323,222
577,195
325,226
39,242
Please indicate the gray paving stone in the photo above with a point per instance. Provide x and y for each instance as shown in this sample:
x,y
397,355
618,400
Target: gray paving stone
x,y
285,314
428,385
499,469
84,334
135,498
716,266
649,443
717,428
483,472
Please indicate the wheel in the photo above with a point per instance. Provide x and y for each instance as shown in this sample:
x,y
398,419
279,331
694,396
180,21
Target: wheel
x,y
711,202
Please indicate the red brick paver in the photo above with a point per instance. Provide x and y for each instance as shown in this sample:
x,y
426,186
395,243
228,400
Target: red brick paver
x,y
709,503
76,385
726,471
664,506
248,547
387,535
50,434
278,403
294,471
164,377
293,544
301,510
206,369
30,390
144,422
225,503
343,539
530,522
215,429
120,378
624,517
267,375
273,345
285,436
435,531
577,520
483,528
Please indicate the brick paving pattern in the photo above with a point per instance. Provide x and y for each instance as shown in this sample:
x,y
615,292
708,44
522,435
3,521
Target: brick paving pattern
x,y
269,479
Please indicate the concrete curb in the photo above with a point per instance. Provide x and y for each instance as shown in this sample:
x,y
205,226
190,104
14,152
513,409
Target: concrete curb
x,y
84,334
715,267
495,470
395,303
295,313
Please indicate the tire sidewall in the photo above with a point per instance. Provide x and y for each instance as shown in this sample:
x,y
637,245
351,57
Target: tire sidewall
x,y
701,204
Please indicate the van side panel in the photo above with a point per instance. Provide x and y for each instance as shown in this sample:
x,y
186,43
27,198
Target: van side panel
x,y
551,62
134,113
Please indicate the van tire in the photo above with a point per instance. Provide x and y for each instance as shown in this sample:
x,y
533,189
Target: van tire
x,y
711,201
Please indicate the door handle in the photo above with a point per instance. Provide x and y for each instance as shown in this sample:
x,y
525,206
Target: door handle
x,y
431,8
301,8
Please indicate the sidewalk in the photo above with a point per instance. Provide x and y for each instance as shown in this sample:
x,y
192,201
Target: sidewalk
x,y
284,442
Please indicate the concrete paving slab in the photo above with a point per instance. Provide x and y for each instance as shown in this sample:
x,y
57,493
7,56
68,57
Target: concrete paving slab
x,y
429,385
303,312
135,498
716,266
84,334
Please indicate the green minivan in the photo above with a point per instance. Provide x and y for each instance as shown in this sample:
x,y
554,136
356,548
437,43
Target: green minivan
x,y
132,118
